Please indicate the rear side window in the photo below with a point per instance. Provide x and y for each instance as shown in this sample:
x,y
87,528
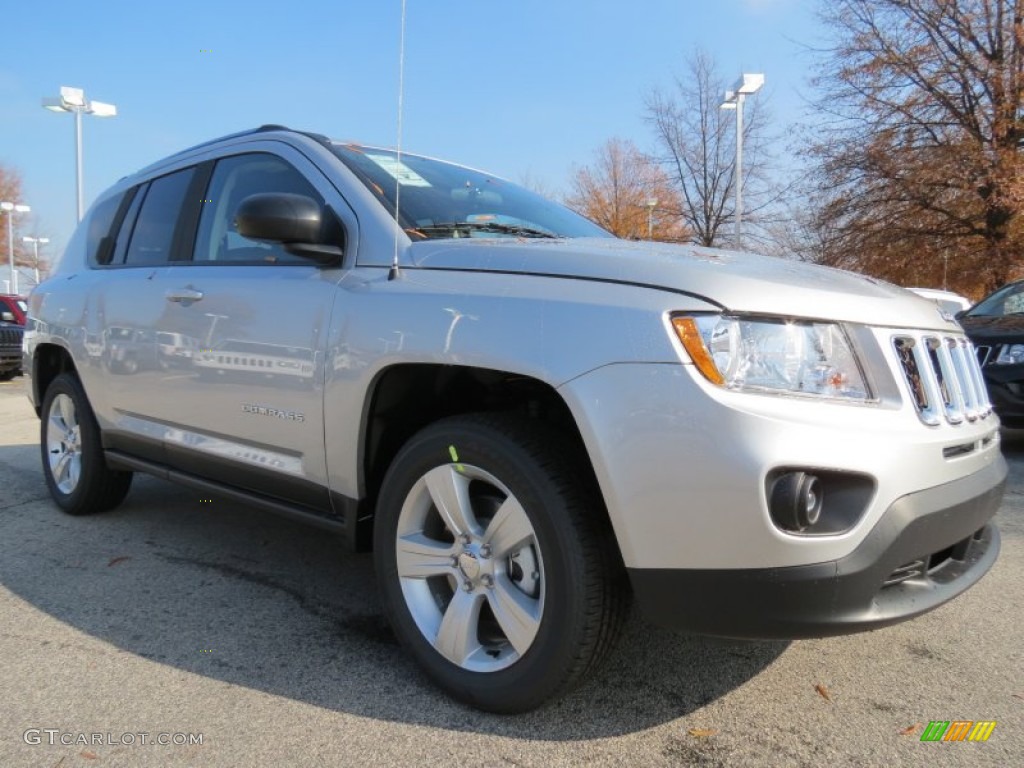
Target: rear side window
x,y
100,243
153,234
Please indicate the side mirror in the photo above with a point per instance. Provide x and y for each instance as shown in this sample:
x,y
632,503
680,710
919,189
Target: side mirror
x,y
296,222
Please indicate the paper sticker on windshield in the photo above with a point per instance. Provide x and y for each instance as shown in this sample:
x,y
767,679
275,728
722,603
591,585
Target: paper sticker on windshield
x,y
399,171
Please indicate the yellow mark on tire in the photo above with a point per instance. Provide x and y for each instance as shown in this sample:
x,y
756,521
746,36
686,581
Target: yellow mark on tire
x,y
455,457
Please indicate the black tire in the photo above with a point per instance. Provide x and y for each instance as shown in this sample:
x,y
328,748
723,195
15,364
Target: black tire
x,y
97,488
580,577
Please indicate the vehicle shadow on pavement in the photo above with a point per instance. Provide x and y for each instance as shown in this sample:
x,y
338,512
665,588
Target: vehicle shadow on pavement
x,y
237,595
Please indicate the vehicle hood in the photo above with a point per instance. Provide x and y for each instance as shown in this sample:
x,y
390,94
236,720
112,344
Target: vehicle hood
x,y
994,328
736,281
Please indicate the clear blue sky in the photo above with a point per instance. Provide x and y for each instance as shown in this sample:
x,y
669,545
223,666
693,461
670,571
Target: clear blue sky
x,y
516,87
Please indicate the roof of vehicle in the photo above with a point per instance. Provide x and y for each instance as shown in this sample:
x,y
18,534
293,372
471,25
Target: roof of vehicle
x,y
267,128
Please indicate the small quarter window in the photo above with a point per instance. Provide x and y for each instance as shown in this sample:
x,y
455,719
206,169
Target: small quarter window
x,y
100,242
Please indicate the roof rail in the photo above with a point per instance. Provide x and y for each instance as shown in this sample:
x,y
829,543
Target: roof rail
x,y
319,137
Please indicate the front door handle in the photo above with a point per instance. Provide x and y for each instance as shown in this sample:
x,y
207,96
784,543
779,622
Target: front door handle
x,y
183,295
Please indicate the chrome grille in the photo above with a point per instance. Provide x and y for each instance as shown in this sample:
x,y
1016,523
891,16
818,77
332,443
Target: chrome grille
x,y
10,337
944,377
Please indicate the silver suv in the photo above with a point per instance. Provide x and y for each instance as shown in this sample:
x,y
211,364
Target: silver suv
x,y
526,419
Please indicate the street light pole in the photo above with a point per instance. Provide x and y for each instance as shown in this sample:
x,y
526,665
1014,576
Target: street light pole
x,y
12,208
73,100
747,85
36,241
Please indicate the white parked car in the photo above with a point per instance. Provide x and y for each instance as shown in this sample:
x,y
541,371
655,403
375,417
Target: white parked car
x,y
947,300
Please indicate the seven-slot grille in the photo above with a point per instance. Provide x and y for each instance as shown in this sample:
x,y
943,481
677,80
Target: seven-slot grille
x,y
10,338
944,377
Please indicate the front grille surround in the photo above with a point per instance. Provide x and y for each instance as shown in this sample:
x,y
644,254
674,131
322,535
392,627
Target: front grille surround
x,y
944,377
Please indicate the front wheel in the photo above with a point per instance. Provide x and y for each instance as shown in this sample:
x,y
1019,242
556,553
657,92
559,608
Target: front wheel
x,y
73,463
496,562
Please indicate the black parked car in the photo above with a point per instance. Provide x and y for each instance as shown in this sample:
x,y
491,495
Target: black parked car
x,y
996,326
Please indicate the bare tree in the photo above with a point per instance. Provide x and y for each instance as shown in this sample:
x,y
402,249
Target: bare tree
x,y
10,191
920,165
697,147
537,184
617,189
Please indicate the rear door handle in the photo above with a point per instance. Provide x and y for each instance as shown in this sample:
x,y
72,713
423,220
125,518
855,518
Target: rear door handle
x,y
183,295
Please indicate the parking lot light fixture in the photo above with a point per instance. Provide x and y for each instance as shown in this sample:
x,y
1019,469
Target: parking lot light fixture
x,y
650,204
11,209
73,100
747,85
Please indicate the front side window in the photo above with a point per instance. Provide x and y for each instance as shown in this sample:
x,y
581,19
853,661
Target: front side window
x,y
442,200
234,179
153,234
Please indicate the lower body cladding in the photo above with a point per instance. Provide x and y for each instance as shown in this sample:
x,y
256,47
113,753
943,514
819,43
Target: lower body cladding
x,y
899,521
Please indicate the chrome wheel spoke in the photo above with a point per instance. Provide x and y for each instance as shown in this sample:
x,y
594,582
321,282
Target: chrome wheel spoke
x,y
457,636
56,429
449,490
74,470
509,529
421,558
518,614
61,468
67,413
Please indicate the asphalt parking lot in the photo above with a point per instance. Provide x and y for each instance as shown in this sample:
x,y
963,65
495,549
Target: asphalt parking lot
x,y
176,616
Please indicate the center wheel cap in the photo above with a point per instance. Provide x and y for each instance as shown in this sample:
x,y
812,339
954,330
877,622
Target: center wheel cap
x,y
469,566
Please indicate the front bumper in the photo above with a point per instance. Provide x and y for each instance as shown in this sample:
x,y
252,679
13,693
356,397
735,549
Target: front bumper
x,y
926,549
10,361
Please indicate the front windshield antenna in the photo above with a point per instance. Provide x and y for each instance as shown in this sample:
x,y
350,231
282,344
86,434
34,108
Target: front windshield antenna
x,y
394,272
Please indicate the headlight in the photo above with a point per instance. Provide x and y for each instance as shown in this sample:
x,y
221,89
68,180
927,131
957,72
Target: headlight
x,y
773,355
1010,354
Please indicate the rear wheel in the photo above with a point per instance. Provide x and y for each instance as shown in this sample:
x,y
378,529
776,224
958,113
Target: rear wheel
x,y
496,562
73,463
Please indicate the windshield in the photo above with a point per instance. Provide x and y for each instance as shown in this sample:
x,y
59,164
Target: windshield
x,y
1008,300
441,200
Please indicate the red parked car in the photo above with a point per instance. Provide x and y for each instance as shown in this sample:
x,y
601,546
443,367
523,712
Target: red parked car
x,y
12,305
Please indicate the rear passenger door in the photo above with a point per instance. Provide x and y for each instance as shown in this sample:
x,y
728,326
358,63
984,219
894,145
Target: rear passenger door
x,y
136,239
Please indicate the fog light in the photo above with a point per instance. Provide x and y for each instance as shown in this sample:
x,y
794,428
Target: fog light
x,y
795,501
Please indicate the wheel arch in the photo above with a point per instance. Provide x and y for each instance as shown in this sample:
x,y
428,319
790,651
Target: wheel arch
x,y
49,361
406,397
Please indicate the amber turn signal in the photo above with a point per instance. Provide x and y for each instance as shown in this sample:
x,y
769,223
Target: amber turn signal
x,y
689,334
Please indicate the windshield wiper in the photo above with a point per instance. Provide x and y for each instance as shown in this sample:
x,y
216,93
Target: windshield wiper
x,y
484,226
